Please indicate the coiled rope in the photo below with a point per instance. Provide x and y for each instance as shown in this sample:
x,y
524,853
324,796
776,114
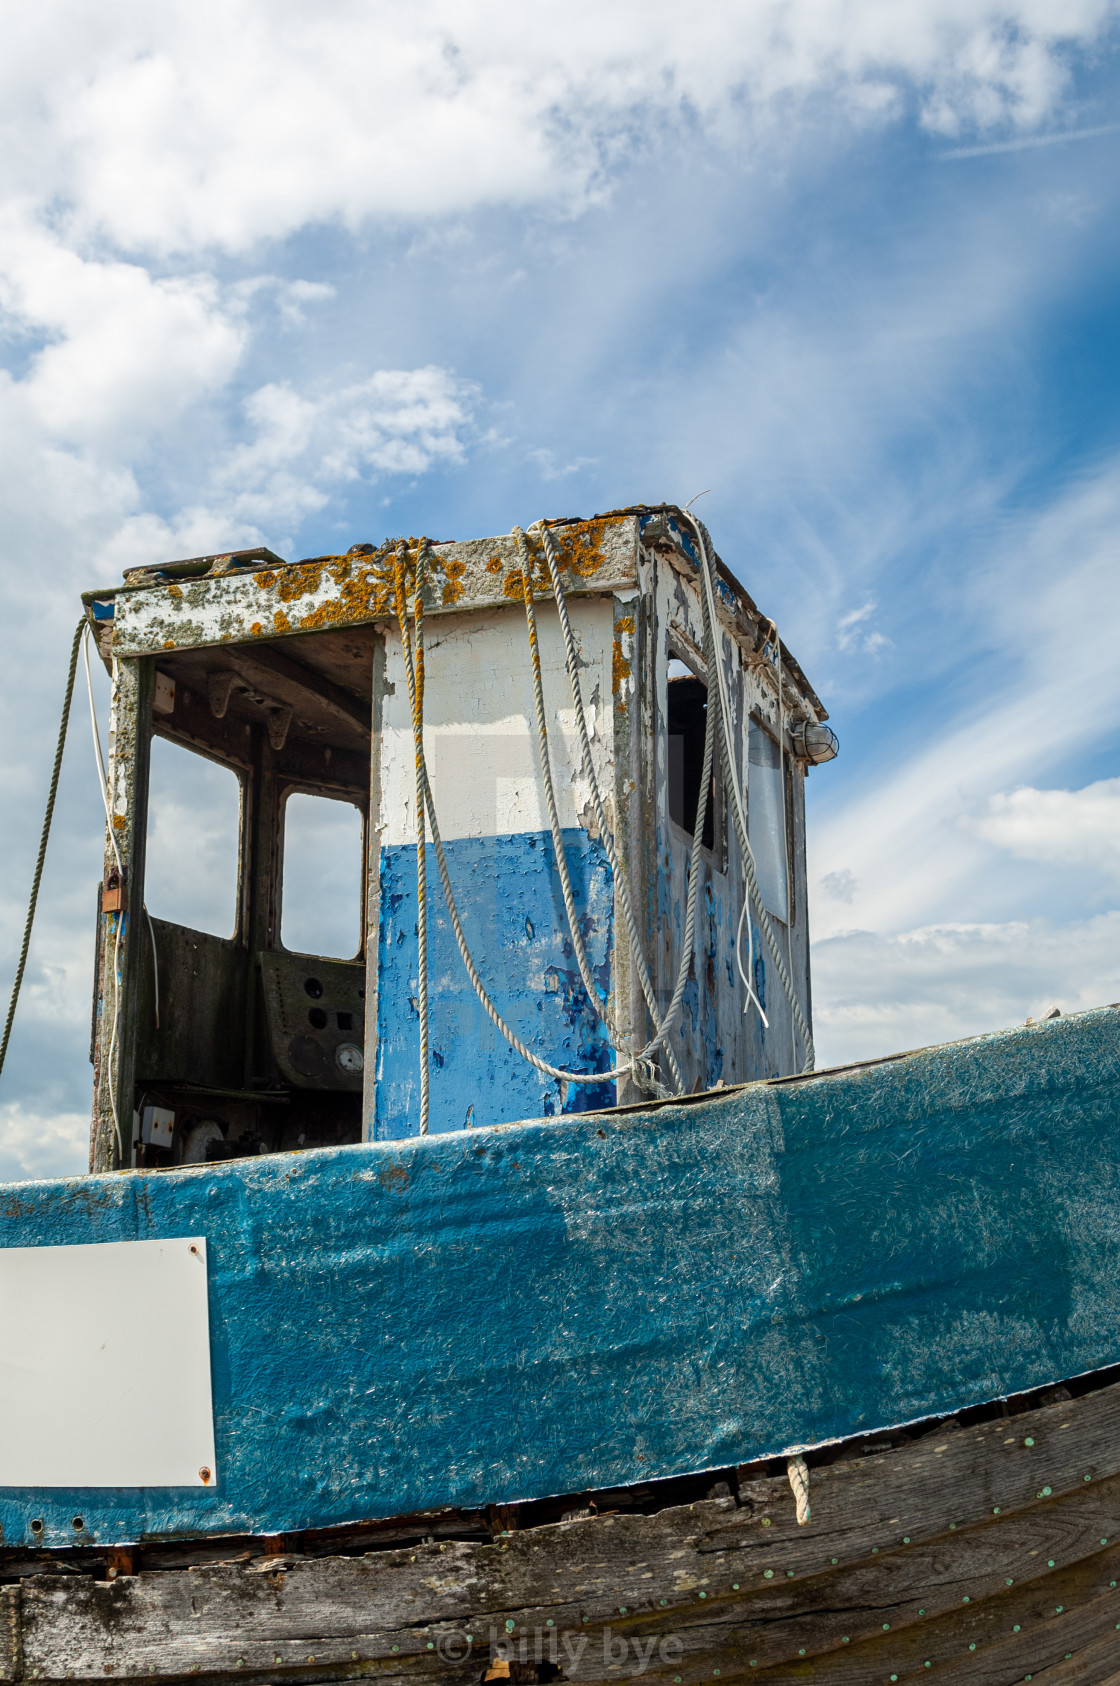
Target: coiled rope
x,y
47,818
637,1063
425,802
622,885
662,1025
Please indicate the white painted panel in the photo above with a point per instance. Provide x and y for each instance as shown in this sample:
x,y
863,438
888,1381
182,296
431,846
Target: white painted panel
x,y
480,733
105,1366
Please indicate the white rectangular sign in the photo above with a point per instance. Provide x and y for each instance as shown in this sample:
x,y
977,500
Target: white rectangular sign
x,y
105,1366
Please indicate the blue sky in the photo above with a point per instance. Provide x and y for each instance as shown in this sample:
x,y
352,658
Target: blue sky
x,y
268,275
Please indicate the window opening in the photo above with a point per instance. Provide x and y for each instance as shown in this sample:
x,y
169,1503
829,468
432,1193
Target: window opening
x,y
688,713
766,823
194,840
321,888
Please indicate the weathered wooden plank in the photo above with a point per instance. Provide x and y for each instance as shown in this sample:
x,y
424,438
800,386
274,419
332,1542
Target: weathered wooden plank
x,y
946,1579
941,1481
985,1643
1094,1664
637,1576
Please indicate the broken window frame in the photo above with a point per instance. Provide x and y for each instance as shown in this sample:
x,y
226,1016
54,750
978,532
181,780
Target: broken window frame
x,y
241,773
332,793
715,853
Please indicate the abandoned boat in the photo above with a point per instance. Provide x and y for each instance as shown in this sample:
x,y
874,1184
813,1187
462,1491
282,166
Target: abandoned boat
x,y
506,1297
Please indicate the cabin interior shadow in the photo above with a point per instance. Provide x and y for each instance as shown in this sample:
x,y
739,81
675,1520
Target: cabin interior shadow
x,y
256,1044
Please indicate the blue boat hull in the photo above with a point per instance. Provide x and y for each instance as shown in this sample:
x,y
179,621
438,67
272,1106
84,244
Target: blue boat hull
x,y
601,1299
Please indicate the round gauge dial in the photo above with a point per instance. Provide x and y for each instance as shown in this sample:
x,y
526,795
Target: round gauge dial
x,y
348,1057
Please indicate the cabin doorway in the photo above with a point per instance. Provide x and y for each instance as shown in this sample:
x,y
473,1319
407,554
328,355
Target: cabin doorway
x,y
251,1002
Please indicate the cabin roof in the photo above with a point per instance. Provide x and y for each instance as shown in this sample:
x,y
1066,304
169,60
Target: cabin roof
x,y
252,595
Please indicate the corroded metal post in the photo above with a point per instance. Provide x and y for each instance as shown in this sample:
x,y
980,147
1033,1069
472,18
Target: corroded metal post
x,y
123,935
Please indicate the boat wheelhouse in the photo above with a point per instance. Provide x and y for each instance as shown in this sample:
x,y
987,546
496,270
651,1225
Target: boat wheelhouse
x,y
568,828
491,1290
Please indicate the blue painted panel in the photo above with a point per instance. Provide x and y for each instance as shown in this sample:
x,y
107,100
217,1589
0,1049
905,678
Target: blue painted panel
x,y
509,898
550,1306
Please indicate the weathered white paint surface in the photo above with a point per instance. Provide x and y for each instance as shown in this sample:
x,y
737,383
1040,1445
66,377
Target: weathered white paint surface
x,y
105,1373
330,591
480,736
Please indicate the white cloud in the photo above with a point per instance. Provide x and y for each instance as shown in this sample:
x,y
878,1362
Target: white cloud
x,y
42,1144
1079,828
228,121
879,994
124,352
398,421
854,635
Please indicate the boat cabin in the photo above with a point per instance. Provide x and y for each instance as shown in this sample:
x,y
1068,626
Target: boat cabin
x,y
289,1011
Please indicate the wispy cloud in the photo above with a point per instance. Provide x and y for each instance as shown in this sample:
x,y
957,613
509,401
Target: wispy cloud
x,y
853,632
935,849
1025,143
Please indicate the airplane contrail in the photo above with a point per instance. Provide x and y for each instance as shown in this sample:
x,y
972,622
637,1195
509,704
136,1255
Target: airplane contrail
x,y
1026,141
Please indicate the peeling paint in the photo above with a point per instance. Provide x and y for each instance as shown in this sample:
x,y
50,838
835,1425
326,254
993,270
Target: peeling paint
x,y
621,660
357,587
409,1325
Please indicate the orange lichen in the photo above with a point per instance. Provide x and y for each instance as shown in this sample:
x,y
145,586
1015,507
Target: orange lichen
x,y
300,580
256,629
366,588
119,822
540,581
169,643
174,591
281,622
494,566
453,581
581,546
266,578
620,662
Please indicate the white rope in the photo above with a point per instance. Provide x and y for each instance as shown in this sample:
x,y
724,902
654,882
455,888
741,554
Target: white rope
x,y
749,973
664,1025
717,703
155,961
782,767
578,948
798,1471
472,971
492,1012
622,888
711,629
426,803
